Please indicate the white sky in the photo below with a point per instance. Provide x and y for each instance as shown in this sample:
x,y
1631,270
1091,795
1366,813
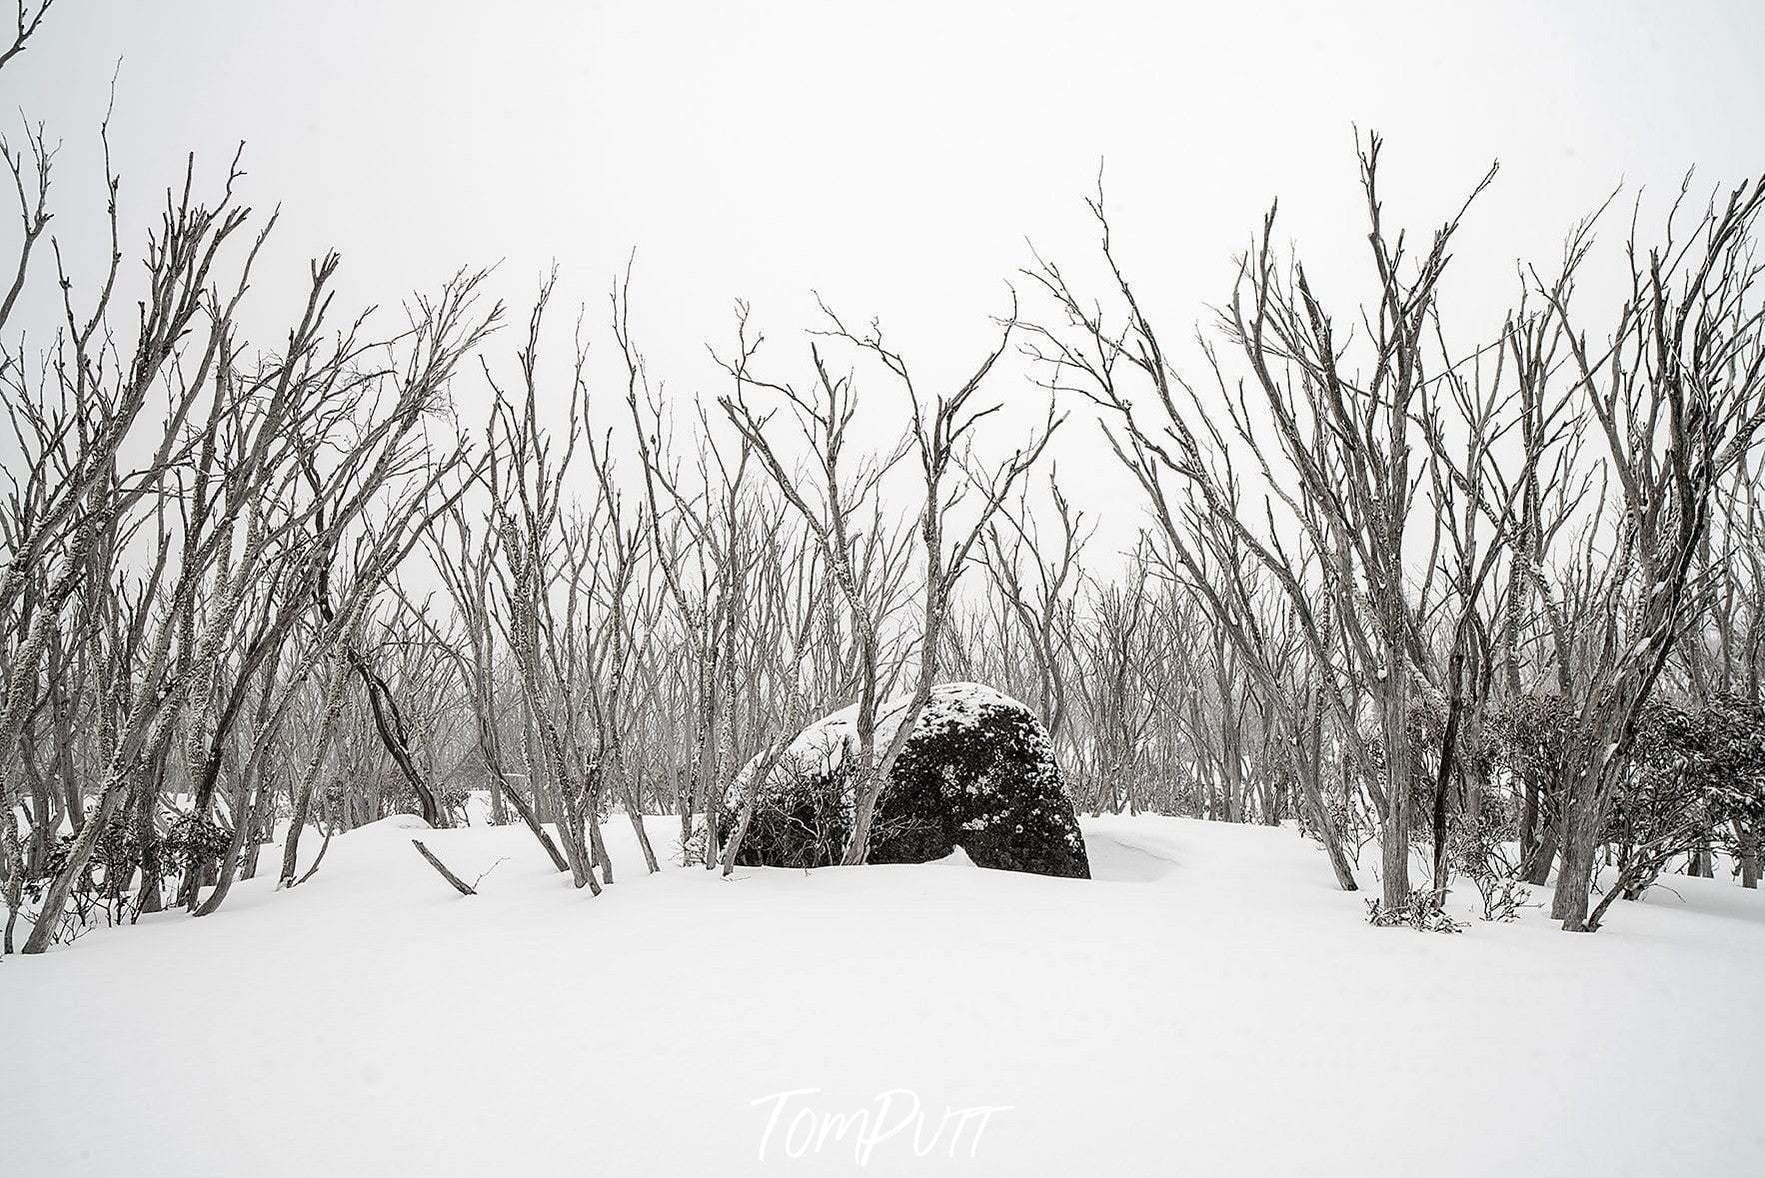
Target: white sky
x,y
893,156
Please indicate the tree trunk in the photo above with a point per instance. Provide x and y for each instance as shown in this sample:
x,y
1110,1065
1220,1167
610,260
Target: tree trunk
x,y
597,847
1394,868
1394,822
1443,780
1529,839
1338,858
499,811
1747,839
55,902
1575,875
302,808
242,809
147,833
532,822
628,799
1308,767
762,768
1535,865
262,824
389,725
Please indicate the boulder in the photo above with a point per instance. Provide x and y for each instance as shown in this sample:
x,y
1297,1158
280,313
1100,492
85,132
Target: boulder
x,y
977,772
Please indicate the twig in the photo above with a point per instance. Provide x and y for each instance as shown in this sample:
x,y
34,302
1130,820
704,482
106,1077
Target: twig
x,y
487,871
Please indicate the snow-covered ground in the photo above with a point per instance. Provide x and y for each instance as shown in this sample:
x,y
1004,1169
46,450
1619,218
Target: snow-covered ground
x,y
1207,1005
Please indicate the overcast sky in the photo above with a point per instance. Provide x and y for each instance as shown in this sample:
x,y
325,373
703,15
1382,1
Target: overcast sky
x,y
893,156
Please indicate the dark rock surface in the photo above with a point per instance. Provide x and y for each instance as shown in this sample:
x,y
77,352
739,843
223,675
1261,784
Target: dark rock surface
x,y
978,773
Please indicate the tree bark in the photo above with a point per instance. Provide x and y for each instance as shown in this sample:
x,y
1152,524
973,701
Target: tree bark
x,y
460,885
1575,875
1747,849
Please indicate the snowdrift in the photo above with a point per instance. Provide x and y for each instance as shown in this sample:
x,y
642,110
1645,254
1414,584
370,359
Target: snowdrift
x,y
1209,1005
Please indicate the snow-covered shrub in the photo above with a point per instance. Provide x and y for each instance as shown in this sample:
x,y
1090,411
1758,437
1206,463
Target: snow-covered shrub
x,y
690,851
1479,852
1473,755
1421,911
1528,736
1695,774
978,772
192,843
105,889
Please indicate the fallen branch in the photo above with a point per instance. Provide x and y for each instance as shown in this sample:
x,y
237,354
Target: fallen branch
x,y
459,884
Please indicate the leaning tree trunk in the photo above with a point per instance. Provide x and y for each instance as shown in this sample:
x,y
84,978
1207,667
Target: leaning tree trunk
x,y
1329,836
1308,770
303,789
55,902
760,770
530,819
628,799
243,805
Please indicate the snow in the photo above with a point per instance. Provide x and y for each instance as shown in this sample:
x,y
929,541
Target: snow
x,y
1207,1005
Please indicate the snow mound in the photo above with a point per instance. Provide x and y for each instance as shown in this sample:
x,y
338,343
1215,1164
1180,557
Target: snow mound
x,y
394,824
374,1022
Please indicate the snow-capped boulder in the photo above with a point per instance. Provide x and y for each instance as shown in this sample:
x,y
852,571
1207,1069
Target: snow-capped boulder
x,y
978,772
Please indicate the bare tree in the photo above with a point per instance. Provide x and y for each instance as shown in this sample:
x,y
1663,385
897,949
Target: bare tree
x,y
1335,444
1678,394
1039,582
941,435
527,472
465,559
